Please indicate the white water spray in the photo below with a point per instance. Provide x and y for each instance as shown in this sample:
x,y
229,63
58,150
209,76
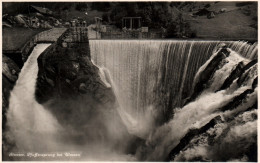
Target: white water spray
x,y
29,121
138,68
33,128
146,76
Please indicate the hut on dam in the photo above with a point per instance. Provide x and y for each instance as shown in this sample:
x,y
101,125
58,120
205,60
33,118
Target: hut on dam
x,y
131,23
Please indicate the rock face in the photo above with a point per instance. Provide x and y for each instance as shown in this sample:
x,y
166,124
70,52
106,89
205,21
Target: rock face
x,y
74,90
232,134
66,73
218,122
215,64
10,72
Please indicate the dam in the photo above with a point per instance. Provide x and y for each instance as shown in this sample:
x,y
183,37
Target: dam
x,y
157,73
130,81
167,93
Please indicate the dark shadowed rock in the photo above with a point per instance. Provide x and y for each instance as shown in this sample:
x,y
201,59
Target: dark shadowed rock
x,y
247,74
208,72
10,68
237,72
236,101
82,103
10,72
190,135
211,15
69,76
82,88
236,112
234,74
255,82
50,82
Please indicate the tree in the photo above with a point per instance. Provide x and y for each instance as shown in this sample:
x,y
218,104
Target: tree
x,y
179,28
100,6
105,18
81,6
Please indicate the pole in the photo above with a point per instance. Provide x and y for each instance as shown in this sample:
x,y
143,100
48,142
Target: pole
x,y
131,23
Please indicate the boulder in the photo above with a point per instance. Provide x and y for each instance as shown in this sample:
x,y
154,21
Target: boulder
x,y
202,79
50,82
9,68
190,135
82,88
20,20
7,72
6,24
222,10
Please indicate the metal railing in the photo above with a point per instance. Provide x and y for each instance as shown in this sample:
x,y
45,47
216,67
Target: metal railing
x,y
131,35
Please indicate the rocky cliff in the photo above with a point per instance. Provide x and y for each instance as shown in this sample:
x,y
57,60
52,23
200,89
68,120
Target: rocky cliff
x,y
77,93
67,72
10,72
231,133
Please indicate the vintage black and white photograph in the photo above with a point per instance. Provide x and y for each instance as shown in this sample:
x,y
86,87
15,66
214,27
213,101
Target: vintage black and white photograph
x,y
130,81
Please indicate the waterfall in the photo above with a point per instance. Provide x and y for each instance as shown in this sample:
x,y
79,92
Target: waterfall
x,y
27,119
162,74
157,73
190,84
207,106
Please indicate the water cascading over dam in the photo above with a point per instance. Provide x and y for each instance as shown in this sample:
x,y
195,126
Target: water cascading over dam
x,y
194,85
156,73
185,100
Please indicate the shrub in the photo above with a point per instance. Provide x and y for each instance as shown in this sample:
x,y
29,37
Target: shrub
x,y
100,6
105,17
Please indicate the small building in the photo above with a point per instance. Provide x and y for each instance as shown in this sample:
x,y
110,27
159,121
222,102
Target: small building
x,y
67,24
131,23
144,29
